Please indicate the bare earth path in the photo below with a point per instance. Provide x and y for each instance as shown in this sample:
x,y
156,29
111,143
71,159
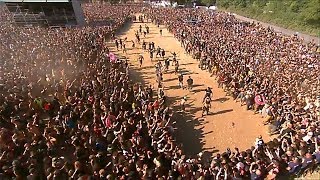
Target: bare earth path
x,y
212,133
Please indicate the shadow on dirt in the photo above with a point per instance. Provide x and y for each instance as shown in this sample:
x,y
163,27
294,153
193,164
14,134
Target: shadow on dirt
x,y
188,133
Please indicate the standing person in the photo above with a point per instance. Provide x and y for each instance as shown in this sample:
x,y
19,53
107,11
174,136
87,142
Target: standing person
x,y
124,50
144,34
158,51
113,35
149,93
140,29
147,29
120,42
159,77
160,32
144,45
151,54
163,53
176,67
189,83
140,59
117,44
180,78
206,106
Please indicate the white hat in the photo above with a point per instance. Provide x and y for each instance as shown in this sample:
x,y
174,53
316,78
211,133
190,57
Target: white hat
x,y
240,165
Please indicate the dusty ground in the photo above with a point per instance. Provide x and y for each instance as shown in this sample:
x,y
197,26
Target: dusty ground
x,y
211,134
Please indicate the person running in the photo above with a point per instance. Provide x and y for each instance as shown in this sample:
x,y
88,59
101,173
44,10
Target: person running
x,y
180,78
208,93
166,64
190,83
206,106
182,103
158,67
174,54
140,59
160,93
133,44
159,77
138,37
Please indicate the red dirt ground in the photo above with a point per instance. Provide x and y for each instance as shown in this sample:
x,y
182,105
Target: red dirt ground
x,y
211,134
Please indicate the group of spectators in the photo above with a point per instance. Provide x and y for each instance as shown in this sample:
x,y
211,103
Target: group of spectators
x,y
68,112
272,74
98,15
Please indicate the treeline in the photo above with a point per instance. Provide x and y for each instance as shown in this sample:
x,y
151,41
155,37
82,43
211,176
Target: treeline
x,y
299,15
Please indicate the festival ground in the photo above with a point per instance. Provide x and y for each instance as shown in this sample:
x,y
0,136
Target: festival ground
x,y
228,126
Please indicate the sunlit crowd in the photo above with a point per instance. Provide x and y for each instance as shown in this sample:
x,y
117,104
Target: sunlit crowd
x,y
68,112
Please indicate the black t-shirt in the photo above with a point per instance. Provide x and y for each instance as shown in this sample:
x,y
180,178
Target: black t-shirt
x,y
190,81
208,92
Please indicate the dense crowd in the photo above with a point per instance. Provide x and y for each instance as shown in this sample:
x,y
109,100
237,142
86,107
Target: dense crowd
x,y
272,74
110,17
69,112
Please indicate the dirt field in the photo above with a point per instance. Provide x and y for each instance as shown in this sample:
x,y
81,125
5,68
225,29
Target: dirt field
x,y
212,133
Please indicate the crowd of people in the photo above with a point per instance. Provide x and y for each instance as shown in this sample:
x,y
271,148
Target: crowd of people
x,y
98,15
272,74
70,112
